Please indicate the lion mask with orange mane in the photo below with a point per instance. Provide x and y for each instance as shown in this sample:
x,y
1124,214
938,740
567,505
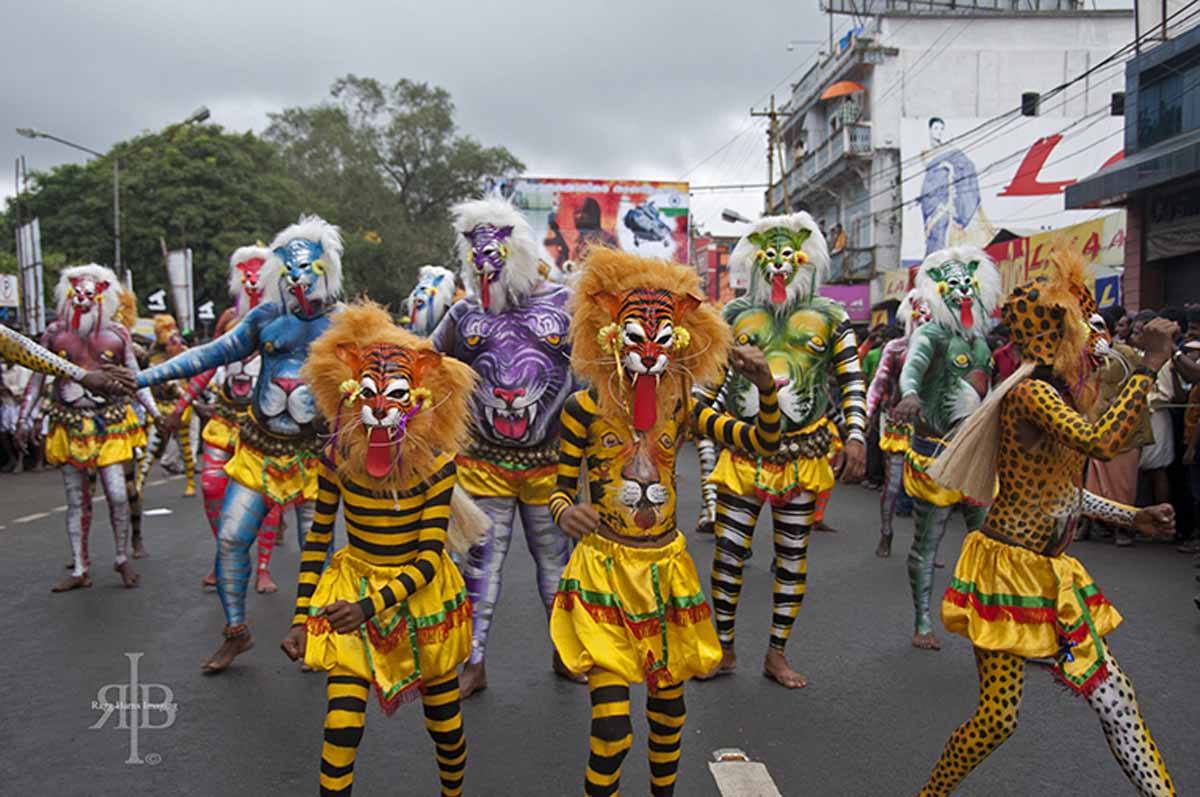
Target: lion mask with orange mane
x,y
642,335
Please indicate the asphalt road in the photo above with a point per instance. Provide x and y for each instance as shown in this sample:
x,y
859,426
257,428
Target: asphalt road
x,y
872,721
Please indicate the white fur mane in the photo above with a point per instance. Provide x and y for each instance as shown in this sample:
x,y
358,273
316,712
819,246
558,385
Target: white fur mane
x,y
310,228
986,274
809,276
110,299
520,273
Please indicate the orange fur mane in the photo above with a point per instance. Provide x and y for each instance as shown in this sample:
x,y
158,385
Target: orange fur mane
x,y
440,428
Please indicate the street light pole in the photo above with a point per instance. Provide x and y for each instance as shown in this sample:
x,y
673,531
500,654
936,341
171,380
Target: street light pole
x,y
196,116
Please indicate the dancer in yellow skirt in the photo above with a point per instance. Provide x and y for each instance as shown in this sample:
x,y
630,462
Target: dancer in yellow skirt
x,y
391,609
630,607
1015,593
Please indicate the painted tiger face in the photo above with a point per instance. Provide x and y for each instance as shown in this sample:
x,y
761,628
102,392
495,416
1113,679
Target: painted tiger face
x,y
167,335
645,333
303,272
780,259
85,294
958,287
488,256
386,392
250,272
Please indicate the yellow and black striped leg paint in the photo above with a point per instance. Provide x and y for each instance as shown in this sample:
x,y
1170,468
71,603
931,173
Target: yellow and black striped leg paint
x,y
665,714
443,720
344,720
612,733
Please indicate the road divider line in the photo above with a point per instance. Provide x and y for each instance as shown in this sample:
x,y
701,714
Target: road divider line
x,y
31,518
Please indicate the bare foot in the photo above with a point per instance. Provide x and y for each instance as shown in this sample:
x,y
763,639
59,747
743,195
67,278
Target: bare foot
x,y
237,641
72,582
139,550
263,583
561,671
128,576
210,580
776,668
727,666
884,549
473,679
926,641
823,526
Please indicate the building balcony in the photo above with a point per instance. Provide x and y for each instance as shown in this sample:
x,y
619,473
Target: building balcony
x,y
852,141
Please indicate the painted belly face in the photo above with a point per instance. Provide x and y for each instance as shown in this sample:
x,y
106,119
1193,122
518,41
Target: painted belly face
x,y
522,358
633,479
240,378
797,347
283,402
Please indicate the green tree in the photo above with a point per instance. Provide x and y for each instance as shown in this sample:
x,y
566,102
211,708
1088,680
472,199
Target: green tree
x,y
198,187
385,163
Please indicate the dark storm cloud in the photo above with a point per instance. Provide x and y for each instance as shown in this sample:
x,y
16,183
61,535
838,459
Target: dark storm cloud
x,y
592,89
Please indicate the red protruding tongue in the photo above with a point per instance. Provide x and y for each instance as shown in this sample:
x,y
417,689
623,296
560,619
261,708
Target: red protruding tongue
x,y
645,402
380,452
965,315
254,297
298,292
778,289
76,314
485,291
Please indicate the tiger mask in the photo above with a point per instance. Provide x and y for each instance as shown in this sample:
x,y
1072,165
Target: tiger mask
x,y
641,333
392,401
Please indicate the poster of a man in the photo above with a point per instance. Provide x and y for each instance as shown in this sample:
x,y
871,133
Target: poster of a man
x,y
950,201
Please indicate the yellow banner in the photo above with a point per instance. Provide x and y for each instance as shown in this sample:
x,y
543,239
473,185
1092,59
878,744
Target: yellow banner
x,y
895,284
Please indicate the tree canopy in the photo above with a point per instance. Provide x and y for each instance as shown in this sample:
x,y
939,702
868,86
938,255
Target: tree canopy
x,y
384,162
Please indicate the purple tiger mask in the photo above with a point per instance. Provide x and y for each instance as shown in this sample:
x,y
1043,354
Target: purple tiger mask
x,y
488,256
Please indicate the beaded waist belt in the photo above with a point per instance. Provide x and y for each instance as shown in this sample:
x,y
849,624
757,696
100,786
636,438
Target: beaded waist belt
x,y
807,445
108,414
515,458
1052,547
253,434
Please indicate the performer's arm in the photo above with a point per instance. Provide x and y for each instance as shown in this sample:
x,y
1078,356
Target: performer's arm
x,y
236,344
195,386
33,394
145,398
706,449
851,386
19,349
921,351
1097,507
877,391
1039,404
761,437
431,541
575,420
317,541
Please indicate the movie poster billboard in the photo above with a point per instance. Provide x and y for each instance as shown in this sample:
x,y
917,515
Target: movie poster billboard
x,y
568,215
962,187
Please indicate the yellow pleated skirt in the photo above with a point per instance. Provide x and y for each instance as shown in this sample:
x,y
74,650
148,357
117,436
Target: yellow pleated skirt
x,y
285,480
90,442
637,612
744,475
894,439
398,650
918,484
1007,598
220,433
483,479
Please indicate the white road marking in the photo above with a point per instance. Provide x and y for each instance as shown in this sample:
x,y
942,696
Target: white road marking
x,y
743,779
158,510
31,518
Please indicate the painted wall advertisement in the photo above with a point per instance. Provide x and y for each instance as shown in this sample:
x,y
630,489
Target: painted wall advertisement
x,y
856,298
569,215
961,187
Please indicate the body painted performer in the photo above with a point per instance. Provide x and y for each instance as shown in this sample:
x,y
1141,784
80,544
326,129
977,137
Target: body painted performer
x,y
1016,594
513,332
882,396
806,339
168,343
87,431
630,607
275,459
391,609
234,390
947,373
430,300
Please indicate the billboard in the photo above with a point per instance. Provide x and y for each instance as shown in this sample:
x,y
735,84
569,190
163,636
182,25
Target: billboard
x,y
1100,241
963,188
855,298
569,215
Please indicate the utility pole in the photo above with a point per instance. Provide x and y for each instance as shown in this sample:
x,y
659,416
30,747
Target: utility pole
x,y
773,142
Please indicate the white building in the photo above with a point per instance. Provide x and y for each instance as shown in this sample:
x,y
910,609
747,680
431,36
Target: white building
x,y
912,156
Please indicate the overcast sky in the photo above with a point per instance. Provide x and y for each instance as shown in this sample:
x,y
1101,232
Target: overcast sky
x,y
643,90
